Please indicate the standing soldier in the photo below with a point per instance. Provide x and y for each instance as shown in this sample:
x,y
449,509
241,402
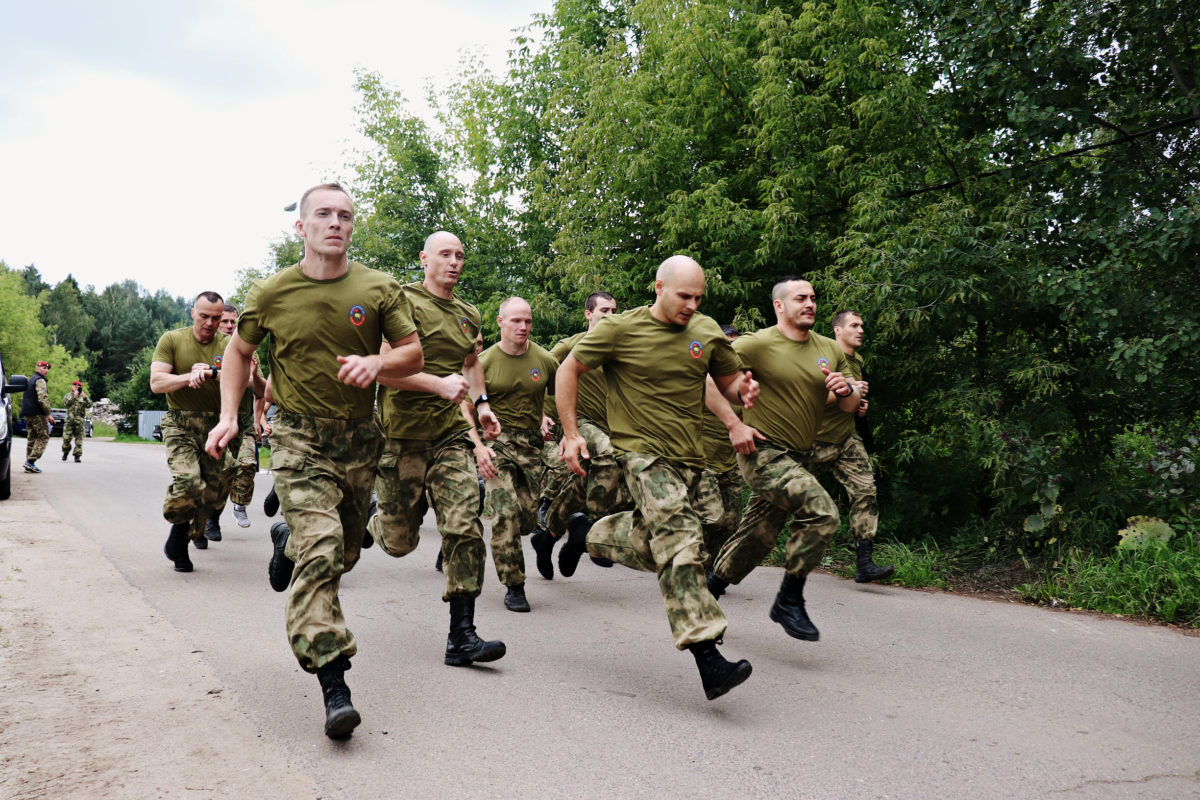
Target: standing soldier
x,y
517,373
186,367
797,370
655,360
326,318
603,491
77,403
35,408
429,458
840,448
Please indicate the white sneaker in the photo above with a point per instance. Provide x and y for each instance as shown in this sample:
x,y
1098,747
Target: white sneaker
x,y
239,513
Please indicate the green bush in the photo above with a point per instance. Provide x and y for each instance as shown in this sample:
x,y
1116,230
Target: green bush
x,y
1158,579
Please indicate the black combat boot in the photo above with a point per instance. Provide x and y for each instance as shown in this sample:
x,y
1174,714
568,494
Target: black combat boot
x,y
717,674
868,570
543,545
340,716
788,610
279,571
441,559
271,503
578,526
176,547
66,453
212,528
514,598
78,459
464,647
716,586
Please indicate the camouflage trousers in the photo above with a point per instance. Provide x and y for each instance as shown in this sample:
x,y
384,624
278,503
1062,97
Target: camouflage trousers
x,y
324,470
717,531
554,471
37,435
852,467
73,431
241,490
446,468
513,498
199,482
780,487
602,492
664,534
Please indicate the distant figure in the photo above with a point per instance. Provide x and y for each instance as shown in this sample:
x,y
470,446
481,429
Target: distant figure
x,y
35,408
77,403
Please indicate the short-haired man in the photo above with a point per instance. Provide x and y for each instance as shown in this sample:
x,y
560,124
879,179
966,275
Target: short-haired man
x,y
77,403
797,370
186,367
241,485
326,318
35,408
655,360
603,490
429,458
517,373
840,449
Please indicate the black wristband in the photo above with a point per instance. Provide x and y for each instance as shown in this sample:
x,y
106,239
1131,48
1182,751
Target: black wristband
x,y
483,398
844,396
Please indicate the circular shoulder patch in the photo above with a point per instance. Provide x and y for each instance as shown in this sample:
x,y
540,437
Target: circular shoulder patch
x,y
536,374
823,363
358,315
696,349
217,361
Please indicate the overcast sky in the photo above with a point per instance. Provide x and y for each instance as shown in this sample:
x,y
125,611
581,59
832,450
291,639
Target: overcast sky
x,y
159,140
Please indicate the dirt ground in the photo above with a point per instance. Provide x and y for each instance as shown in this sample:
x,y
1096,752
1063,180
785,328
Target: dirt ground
x,y
99,696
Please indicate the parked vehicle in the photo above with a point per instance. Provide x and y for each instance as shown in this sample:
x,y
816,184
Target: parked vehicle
x,y
60,418
13,386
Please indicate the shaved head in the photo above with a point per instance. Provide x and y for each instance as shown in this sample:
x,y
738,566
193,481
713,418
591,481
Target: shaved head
x,y
678,268
431,241
513,303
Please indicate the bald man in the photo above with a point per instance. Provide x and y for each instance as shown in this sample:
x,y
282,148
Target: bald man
x,y
429,452
655,360
517,373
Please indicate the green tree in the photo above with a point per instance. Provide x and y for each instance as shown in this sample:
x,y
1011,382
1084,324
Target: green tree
x,y
63,313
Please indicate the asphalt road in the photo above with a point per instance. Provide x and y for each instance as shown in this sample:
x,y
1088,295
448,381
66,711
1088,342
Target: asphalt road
x,y
907,695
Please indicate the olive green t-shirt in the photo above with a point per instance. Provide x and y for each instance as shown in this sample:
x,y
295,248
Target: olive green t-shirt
x,y
655,374
591,401
516,385
180,349
312,322
836,426
792,389
719,455
448,328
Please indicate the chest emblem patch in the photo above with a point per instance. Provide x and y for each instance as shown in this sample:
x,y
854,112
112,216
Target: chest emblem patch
x,y
358,315
536,374
465,324
217,361
696,349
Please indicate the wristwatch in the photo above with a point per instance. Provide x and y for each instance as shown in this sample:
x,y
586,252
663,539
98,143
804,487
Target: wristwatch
x,y
483,398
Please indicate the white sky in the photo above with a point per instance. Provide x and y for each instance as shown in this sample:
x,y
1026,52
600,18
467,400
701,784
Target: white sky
x,y
159,140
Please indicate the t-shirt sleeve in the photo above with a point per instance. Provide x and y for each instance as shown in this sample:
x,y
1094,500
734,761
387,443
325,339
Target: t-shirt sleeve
x,y
596,346
552,364
164,351
397,317
724,359
249,325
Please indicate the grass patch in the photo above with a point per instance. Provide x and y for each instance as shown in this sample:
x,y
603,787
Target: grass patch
x,y
133,437
1160,580
100,429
